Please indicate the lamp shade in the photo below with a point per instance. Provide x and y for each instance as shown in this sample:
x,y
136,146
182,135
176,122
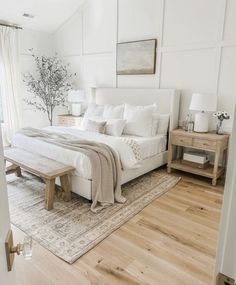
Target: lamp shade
x,y
76,96
203,102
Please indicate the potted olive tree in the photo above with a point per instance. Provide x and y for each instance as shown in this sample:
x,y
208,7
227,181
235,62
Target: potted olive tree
x,y
50,84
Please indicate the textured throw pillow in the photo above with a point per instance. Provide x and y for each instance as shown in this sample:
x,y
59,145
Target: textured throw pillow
x,y
85,120
163,124
113,112
139,120
94,110
96,127
115,127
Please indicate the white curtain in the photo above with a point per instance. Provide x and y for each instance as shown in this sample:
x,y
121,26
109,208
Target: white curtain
x,y
9,82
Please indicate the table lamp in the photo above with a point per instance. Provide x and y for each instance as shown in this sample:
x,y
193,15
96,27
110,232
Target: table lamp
x,y
76,97
203,103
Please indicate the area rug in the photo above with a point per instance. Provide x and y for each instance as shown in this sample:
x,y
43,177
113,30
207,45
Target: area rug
x,y
71,229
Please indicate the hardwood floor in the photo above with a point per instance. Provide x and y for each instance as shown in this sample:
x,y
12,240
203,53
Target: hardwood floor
x,y
172,241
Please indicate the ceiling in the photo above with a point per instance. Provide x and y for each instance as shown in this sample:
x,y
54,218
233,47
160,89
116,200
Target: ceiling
x,y
49,14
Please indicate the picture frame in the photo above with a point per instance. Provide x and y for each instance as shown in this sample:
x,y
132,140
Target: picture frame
x,y
136,57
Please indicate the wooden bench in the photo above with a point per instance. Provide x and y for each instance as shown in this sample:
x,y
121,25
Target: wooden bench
x,y
43,167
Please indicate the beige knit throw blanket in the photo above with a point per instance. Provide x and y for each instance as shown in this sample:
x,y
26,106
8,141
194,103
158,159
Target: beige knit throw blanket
x,y
105,164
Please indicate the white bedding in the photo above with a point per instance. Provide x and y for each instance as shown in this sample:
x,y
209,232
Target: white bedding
x,y
148,147
78,160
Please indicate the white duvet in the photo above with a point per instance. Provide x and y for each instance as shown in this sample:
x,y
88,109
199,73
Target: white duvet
x,y
80,161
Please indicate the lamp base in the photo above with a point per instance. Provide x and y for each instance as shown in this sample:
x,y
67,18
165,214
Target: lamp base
x,y
201,122
76,109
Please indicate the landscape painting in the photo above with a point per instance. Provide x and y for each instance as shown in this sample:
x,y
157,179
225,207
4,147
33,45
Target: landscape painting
x,y
137,57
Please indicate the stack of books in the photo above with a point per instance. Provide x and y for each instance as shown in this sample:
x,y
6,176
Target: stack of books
x,y
199,160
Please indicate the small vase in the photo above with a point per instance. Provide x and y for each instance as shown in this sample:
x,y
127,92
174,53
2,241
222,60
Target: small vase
x,y
219,128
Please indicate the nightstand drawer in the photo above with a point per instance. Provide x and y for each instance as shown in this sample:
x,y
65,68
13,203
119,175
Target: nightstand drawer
x,y
62,121
69,121
204,144
182,140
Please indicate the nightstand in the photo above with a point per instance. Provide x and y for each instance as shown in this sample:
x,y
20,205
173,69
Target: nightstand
x,y
68,120
210,142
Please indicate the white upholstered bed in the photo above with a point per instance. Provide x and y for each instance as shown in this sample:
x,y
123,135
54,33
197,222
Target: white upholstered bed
x,y
153,150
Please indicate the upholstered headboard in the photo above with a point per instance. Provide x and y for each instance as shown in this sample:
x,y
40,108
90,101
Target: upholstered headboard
x,y
166,99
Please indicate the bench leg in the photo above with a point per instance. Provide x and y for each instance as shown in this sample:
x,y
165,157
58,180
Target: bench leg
x,y
65,185
49,193
13,169
18,172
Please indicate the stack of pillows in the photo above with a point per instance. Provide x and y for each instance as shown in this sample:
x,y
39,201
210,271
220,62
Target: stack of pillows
x,y
143,121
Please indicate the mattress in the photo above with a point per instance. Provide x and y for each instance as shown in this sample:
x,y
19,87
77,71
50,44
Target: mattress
x,y
148,148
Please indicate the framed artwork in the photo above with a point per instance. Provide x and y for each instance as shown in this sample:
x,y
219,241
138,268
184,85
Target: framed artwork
x,y
138,57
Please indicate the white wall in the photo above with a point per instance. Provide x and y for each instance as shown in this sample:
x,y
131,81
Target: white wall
x,y
42,44
196,45
226,253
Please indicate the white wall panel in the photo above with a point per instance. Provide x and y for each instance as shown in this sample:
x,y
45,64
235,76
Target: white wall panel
x,y
190,21
39,41
147,81
75,66
230,21
99,71
227,85
139,19
71,33
189,71
99,26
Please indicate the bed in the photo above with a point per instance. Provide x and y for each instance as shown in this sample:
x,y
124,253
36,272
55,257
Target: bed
x,y
153,150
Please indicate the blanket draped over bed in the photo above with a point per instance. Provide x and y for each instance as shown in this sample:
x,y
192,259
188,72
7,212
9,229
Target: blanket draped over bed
x,y
106,166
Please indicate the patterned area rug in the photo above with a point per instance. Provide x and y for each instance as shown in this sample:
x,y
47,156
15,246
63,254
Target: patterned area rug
x,y
71,229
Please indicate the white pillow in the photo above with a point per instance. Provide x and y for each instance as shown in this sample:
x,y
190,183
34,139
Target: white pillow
x,y
113,112
155,123
139,120
115,127
94,110
163,124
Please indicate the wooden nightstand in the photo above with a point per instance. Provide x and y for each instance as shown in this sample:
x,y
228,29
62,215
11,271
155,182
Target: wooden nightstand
x,y
69,120
210,142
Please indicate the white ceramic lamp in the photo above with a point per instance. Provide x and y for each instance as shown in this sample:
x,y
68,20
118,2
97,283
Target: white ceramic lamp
x,y
203,103
76,97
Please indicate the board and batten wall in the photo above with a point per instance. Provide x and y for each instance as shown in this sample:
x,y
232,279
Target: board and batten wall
x,y
196,45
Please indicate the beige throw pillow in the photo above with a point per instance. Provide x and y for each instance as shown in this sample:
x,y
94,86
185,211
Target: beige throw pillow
x,y
96,127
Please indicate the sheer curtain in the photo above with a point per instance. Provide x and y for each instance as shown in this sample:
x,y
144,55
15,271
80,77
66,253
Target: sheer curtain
x,y
9,82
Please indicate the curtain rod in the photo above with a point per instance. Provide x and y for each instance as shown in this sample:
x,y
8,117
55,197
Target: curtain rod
x,y
11,26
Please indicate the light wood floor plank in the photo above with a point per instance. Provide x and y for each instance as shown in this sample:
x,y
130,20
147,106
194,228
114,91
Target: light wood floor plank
x,y
172,242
